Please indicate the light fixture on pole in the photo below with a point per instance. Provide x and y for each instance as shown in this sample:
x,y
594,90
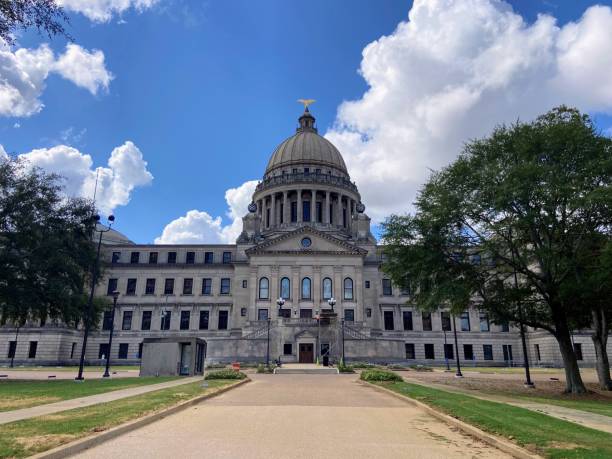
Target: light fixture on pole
x,y
332,303
280,302
94,280
110,337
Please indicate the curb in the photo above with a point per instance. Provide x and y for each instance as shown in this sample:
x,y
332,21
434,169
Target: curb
x,y
490,439
77,446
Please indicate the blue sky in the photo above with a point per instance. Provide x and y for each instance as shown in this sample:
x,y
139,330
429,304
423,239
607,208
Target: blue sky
x,y
206,90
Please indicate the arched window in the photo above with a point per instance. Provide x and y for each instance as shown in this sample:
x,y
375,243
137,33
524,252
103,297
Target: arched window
x,y
306,293
264,289
327,288
285,288
348,288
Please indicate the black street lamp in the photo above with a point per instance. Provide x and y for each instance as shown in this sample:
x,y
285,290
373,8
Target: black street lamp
x,y
280,302
94,279
268,345
458,374
110,338
343,358
332,303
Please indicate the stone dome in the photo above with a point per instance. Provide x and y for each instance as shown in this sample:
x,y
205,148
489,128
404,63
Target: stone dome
x,y
306,148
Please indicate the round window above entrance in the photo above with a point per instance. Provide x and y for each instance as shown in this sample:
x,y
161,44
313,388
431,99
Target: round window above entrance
x,y
306,242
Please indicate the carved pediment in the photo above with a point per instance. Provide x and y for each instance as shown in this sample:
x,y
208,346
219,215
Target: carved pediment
x,y
293,243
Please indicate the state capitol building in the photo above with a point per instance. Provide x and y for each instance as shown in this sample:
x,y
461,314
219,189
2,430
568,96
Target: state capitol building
x,y
306,246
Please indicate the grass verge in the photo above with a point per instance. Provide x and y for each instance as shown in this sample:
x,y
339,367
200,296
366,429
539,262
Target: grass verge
x,y
603,407
537,432
25,438
17,394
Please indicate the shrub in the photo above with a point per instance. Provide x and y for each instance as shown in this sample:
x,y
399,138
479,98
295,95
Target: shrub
x,y
225,374
375,375
342,368
216,365
261,368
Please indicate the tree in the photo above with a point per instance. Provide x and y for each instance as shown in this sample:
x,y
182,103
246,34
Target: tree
x,y
45,15
46,251
526,200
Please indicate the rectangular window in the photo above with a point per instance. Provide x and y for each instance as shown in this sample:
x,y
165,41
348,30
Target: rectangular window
x,y
319,211
150,287
223,316
209,258
446,321
285,313
204,315
134,257
166,318
304,313
123,350
169,287
465,321
262,314
32,349
387,288
116,257
107,321
349,315
112,286
244,283
407,319
190,258
268,217
507,350
388,319
145,323
206,286
305,211
537,351
131,287
126,323
140,350
505,326
405,288
287,349
227,257
187,286
153,258
103,351
225,286
367,284
409,350
171,258
429,352
449,352
426,317
484,323
11,350
282,213
185,316
344,218
468,352
578,350
294,212
487,350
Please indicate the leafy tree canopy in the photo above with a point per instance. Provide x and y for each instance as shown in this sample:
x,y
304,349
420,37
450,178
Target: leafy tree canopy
x,y
45,15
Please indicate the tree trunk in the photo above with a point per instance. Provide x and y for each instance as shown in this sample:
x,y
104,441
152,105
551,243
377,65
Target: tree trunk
x,y
600,340
573,380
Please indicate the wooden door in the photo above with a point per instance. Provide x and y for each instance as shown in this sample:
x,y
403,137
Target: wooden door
x,y
306,353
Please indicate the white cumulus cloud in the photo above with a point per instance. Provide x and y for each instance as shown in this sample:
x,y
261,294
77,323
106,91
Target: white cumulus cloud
x,y
450,73
104,10
23,73
199,227
125,171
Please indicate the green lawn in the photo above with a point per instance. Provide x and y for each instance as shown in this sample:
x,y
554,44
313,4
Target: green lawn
x,y
25,438
17,394
548,436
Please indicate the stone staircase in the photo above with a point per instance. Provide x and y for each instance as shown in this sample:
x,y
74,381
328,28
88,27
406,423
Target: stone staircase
x,y
305,369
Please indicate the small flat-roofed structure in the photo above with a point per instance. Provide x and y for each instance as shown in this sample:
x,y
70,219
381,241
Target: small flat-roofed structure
x,y
173,356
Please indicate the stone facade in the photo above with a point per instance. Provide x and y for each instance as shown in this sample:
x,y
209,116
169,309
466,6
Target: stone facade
x,y
305,239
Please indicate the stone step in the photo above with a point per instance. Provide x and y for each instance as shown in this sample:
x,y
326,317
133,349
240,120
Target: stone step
x,y
306,371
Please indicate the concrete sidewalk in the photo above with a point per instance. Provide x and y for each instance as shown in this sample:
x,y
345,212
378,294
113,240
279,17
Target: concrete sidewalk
x,y
583,418
64,405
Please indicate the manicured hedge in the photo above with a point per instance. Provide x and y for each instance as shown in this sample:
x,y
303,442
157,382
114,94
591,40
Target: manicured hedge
x,y
376,375
225,374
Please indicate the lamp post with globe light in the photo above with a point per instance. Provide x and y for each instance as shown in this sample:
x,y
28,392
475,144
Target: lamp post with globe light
x,y
94,280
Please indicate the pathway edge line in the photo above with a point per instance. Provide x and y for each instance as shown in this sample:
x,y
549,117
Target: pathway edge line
x,y
82,444
490,439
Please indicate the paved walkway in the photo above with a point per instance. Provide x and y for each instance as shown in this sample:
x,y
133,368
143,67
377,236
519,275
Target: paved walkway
x,y
81,402
297,416
584,418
